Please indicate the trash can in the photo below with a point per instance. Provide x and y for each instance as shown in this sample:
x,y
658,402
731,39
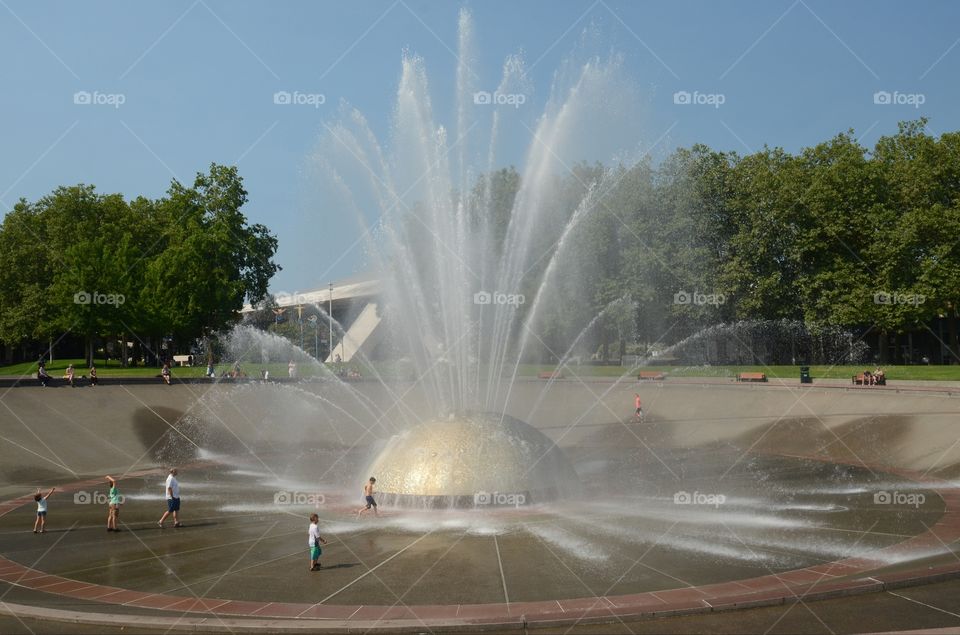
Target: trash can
x,y
805,375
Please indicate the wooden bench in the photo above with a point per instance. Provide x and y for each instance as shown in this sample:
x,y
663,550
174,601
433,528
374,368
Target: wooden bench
x,y
550,374
654,375
751,377
860,379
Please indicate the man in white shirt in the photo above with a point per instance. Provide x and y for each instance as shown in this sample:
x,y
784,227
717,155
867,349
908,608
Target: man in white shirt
x,y
172,490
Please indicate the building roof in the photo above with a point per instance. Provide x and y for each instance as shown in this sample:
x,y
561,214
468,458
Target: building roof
x,y
358,286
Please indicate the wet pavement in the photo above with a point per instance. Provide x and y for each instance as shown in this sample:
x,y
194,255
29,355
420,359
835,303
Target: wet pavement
x,y
675,516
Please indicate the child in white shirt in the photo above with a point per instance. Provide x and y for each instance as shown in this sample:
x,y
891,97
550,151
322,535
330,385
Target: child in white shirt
x,y
41,521
314,540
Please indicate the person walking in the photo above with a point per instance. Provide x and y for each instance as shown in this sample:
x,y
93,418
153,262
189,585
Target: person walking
x,y
172,491
93,375
638,413
69,374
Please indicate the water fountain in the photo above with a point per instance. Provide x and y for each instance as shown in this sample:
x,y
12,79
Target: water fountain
x,y
544,495
457,263
554,468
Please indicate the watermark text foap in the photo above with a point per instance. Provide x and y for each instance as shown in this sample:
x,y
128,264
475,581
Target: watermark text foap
x,y
696,98
699,299
96,98
912,299
699,498
284,497
509,299
285,299
84,497
914,499
496,98
499,499
896,98
84,297
296,98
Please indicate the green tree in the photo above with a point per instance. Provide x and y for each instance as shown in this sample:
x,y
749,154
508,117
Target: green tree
x,y
27,265
209,259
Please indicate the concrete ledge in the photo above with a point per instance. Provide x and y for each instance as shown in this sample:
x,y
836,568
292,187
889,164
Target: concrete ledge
x,y
248,625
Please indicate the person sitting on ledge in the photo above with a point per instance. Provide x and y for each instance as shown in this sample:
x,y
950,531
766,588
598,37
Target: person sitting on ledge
x,y
69,374
43,376
165,373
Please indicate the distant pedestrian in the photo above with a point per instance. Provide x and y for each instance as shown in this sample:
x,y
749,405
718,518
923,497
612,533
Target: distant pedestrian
x,y
368,498
292,369
43,375
314,540
165,373
638,413
41,521
211,371
93,375
114,500
171,490
69,374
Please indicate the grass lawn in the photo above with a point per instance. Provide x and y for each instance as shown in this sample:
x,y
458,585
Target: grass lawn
x,y
391,370
931,373
57,367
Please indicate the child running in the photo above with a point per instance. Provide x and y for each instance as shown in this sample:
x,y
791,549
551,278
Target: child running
x,y
638,415
314,540
41,521
113,509
368,497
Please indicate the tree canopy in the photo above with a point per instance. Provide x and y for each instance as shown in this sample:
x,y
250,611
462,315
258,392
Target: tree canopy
x,y
89,264
835,235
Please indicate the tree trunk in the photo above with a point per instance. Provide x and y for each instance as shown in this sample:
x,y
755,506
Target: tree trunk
x,y
954,354
882,346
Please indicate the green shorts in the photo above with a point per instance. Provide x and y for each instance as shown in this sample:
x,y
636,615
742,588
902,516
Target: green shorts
x,y
315,552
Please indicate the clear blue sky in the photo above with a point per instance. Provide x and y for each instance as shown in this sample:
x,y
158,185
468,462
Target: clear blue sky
x,y
198,80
